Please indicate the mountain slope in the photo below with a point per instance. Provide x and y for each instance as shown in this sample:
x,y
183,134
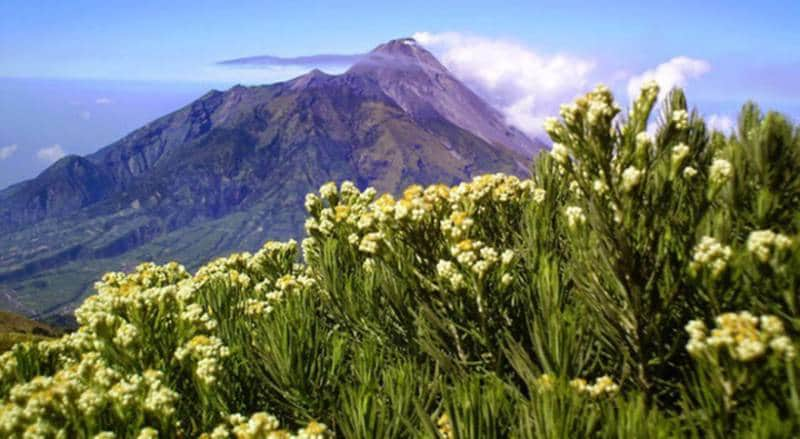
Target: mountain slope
x,y
231,170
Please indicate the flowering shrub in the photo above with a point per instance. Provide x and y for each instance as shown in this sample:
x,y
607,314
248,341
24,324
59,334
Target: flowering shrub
x,y
571,304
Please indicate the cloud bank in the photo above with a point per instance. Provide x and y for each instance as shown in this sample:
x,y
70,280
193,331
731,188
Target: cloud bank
x,y
525,85
51,154
673,73
310,61
7,151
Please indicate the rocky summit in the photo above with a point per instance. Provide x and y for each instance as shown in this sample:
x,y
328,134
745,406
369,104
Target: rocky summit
x,y
231,170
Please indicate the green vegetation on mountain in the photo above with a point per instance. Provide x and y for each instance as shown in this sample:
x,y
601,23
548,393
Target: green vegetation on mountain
x,y
636,286
15,328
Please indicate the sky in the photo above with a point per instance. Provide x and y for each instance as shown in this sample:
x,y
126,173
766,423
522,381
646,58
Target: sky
x,y
77,75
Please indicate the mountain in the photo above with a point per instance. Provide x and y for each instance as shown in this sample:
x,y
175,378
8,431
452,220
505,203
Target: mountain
x,y
231,169
15,328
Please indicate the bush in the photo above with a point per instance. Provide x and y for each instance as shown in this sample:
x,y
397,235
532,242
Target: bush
x,y
576,303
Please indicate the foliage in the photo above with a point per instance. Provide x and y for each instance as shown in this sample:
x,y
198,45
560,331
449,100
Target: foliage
x,y
574,304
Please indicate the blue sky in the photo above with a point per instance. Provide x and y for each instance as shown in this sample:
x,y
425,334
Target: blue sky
x,y
113,65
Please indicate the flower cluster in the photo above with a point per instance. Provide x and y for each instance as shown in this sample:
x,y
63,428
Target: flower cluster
x,y
631,177
575,216
91,386
207,352
602,386
681,119
679,154
720,172
262,425
445,427
743,336
711,254
763,243
559,152
453,218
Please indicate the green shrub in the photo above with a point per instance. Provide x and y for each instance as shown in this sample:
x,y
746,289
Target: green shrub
x,y
638,285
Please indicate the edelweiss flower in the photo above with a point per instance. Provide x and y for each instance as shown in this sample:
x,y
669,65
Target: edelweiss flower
x,y
551,125
559,152
631,177
681,119
679,152
575,216
760,243
720,171
710,253
742,335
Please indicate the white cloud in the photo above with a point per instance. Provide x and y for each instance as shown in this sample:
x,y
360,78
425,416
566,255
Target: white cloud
x,y
721,122
673,73
51,154
7,151
103,101
525,85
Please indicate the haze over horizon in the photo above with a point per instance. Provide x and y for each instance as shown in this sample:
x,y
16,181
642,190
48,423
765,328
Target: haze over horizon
x,y
76,77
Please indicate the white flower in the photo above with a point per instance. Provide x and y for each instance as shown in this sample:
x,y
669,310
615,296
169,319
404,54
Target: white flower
x,y
147,433
643,140
599,186
126,335
368,265
689,172
551,125
597,110
507,257
602,386
489,254
720,171
559,152
710,253
506,280
761,242
447,270
480,268
575,216
365,221
539,195
679,152
348,188
749,349
681,119
695,347
328,190
650,88
783,345
353,239
400,210
369,244
631,177
771,324
314,430
312,203
568,112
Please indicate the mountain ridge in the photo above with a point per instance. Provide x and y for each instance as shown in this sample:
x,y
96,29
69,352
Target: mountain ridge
x,y
242,160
